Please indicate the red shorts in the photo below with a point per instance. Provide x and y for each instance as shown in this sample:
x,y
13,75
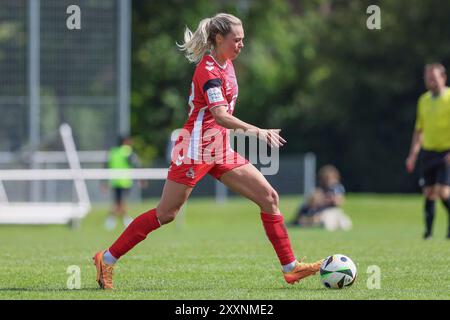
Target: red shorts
x,y
191,173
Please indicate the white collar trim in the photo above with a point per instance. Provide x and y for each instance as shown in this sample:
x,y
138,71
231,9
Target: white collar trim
x,y
220,66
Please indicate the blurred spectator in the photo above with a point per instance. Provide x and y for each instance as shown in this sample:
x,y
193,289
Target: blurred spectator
x,y
330,185
121,156
323,207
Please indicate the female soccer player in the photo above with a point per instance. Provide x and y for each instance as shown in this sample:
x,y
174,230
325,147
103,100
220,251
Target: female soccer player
x,y
214,90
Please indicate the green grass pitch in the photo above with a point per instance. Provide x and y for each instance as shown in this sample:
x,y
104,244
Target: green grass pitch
x,y
221,252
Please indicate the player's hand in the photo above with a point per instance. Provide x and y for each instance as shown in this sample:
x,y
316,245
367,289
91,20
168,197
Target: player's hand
x,y
272,137
447,158
410,163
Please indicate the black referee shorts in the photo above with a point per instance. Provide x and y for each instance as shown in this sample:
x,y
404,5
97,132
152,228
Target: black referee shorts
x,y
435,169
119,194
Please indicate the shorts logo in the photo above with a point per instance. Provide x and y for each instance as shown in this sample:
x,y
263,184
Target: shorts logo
x,y
190,173
215,95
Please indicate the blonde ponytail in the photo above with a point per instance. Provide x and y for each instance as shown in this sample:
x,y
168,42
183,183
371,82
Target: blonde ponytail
x,y
196,44
203,39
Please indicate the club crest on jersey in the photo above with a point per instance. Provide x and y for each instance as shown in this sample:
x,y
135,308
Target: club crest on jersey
x,y
209,65
190,173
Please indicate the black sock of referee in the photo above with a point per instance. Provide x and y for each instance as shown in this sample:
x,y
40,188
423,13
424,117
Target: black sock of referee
x,y
429,216
446,203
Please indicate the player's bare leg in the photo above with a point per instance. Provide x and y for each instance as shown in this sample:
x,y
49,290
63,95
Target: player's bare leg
x,y
444,194
111,219
250,183
173,197
122,208
121,211
118,212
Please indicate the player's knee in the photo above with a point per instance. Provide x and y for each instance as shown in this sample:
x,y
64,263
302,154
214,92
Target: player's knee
x,y
444,193
166,216
431,194
270,201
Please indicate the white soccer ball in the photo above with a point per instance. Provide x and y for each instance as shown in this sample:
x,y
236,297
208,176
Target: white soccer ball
x,y
338,271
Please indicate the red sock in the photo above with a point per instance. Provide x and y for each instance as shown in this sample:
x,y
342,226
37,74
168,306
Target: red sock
x,y
137,231
277,234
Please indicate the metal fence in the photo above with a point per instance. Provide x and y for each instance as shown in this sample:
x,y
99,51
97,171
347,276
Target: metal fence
x,y
14,106
50,74
296,176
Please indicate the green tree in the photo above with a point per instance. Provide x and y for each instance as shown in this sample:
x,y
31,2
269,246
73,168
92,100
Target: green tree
x,y
311,68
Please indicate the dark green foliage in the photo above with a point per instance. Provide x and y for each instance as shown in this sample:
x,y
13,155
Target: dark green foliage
x,y
311,68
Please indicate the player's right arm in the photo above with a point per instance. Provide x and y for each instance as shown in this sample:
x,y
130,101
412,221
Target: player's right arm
x,y
416,141
414,150
227,120
212,88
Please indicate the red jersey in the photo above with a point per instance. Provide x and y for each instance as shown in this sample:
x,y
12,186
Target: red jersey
x,y
203,146
212,85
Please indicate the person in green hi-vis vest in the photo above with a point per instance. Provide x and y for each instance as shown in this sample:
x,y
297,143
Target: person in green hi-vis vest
x,y
431,144
121,156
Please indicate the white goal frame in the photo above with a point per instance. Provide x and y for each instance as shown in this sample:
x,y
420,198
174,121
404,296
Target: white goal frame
x,y
62,212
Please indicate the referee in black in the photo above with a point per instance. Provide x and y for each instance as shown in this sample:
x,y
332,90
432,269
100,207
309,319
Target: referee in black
x,y
432,138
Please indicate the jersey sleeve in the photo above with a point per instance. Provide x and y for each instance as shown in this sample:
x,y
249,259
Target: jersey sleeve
x,y
212,88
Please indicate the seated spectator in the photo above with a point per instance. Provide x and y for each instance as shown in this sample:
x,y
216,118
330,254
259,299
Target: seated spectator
x,y
307,216
330,184
323,207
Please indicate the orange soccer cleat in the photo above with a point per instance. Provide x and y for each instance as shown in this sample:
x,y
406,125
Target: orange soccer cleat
x,y
302,270
104,272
